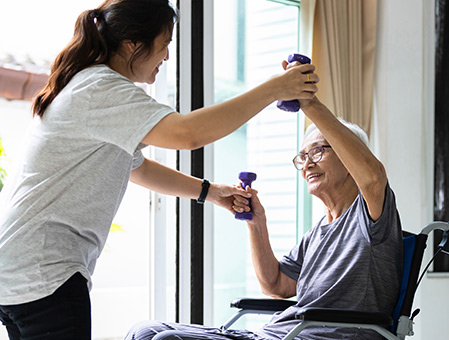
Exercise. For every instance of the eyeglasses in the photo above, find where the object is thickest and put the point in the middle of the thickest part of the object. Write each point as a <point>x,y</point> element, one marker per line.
<point>314,155</point>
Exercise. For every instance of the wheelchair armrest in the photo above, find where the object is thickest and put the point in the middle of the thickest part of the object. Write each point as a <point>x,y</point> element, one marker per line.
<point>262,304</point>
<point>343,316</point>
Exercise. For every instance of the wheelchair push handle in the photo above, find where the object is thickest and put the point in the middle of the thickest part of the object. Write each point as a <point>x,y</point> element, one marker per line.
<point>247,178</point>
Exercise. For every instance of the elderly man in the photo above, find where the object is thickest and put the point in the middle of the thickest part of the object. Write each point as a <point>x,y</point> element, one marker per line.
<point>351,259</point>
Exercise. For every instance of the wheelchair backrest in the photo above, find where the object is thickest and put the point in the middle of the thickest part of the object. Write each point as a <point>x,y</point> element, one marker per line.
<point>414,246</point>
<point>409,243</point>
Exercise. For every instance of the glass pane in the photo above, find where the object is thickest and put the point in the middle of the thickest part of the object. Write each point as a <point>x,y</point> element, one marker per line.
<point>163,207</point>
<point>252,38</point>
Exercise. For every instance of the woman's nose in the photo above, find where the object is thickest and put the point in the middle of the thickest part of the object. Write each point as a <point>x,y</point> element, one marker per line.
<point>308,163</point>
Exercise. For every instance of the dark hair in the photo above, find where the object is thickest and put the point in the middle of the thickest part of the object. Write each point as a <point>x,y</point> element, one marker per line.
<point>98,35</point>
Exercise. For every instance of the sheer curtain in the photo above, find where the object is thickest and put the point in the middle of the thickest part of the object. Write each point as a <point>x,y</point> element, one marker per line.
<point>340,35</point>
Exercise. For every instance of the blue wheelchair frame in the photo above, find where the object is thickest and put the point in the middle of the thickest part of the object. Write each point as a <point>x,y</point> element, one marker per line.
<point>392,327</point>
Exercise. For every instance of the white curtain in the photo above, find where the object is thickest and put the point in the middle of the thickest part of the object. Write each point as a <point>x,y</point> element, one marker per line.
<point>340,37</point>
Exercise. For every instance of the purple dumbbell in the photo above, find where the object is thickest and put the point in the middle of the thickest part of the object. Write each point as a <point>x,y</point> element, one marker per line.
<point>247,178</point>
<point>293,105</point>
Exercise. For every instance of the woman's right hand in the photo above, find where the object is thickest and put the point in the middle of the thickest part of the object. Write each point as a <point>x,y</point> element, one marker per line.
<point>297,82</point>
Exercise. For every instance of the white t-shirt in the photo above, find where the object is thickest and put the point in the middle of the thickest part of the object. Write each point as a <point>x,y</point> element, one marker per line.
<point>57,209</point>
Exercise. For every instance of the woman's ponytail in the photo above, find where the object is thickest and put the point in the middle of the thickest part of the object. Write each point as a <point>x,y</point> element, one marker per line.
<point>86,48</point>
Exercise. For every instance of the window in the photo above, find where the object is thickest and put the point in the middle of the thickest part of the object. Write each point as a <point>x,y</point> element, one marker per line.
<point>252,38</point>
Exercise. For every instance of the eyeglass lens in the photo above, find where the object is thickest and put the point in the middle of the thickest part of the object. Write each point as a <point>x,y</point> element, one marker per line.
<point>314,156</point>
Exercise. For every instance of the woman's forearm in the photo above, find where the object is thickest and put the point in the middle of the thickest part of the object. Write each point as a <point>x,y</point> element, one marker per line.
<point>366,170</point>
<point>206,125</point>
<point>165,180</point>
<point>354,154</point>
<point>160,178</point>
<point>272,281</point>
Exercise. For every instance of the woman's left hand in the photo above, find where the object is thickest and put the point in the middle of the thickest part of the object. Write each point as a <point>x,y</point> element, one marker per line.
<point>223,195</point>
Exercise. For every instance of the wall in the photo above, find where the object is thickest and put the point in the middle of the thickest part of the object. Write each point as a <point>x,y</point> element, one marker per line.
<point>404,98</point>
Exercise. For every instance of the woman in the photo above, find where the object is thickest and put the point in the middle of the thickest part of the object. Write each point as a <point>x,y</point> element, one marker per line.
<point>351,259</point>
<point>85,144</point>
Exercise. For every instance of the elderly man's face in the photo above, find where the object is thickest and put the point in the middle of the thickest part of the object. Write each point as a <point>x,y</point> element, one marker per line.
<point>328,175</point>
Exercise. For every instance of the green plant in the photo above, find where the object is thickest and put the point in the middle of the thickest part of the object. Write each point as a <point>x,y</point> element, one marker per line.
<point>2,171</point>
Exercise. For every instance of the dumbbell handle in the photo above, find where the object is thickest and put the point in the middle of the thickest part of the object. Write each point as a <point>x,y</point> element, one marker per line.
<point>247,178</point>
<point>293,105</point>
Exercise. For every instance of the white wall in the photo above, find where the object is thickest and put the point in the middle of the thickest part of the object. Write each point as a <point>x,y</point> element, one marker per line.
<point>404,123</point>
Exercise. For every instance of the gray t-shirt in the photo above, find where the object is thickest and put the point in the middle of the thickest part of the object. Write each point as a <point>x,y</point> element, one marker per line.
<point>56,211</point>
<point>351,263</point>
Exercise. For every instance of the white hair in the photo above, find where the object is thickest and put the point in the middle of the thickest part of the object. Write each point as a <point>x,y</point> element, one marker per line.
<point>358,131</point>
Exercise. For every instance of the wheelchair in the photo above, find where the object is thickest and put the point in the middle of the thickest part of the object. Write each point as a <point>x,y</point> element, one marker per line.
<point>392,327</point>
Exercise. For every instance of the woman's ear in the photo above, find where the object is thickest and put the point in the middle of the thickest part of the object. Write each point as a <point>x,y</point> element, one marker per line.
<point>130,46</point>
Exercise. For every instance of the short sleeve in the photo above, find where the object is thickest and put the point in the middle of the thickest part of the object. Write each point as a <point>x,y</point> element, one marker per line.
<point>291,264</point>
<point>379,231</point>
<point>138,159</point>
<point>121,113</point>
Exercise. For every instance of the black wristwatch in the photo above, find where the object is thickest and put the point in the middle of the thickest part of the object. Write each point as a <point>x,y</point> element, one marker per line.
<point>204,190</point>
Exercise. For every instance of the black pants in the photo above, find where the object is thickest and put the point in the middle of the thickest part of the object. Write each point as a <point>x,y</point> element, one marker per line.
<point>64,315</point>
